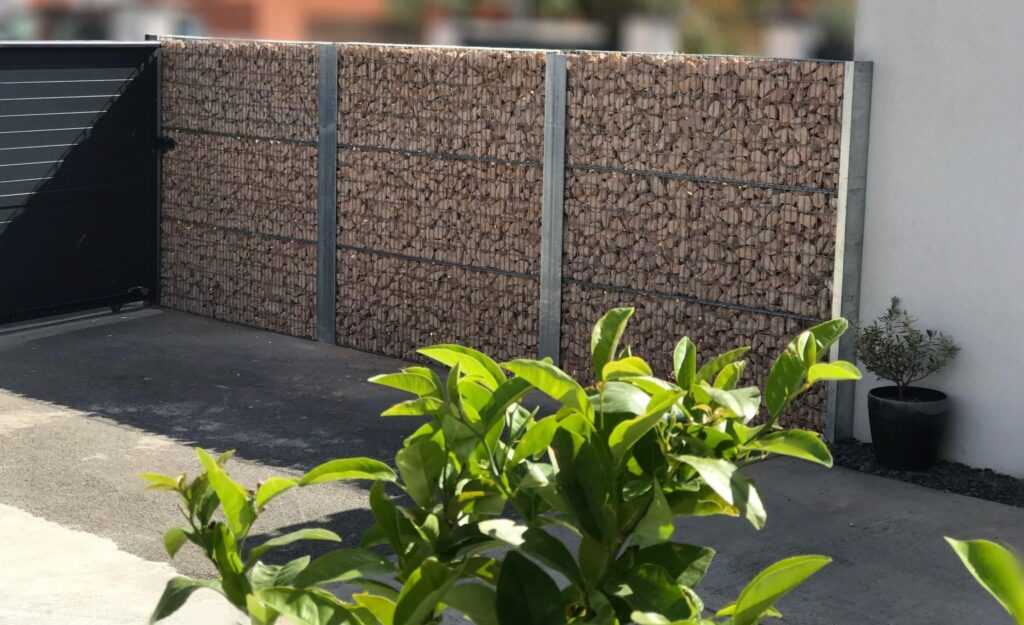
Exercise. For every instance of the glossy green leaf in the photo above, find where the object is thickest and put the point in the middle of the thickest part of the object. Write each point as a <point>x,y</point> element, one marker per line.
<point>731,485</point>
<point>806,346</point>
<point>711,368</point>
<point>604,340</point>
<point>551,381</point>
<point>176,593</point>
<point>828,332</point>
<point>801,444</point>
<point>234,500</point>
<point>259,612</point>
<point>414,408</point>
<point>628,432</point>
<point>271,488</point>
<point>785,379</point>
<point>505,530</point>
<point>730,609</point>
<point>729,377</point>
<point>621,397</point>
<point>703,502</point>
<point>386,517</point>
<point>997,570</point>
<point>477,601</point>
<point>772,584</point>
<point>421,465</point>
<point>839,370</point>
<point>307,606</point>
<point>505,395</point>
<point>638,617</point>
<point>742,402</point>
<point>471,361</point>
<point>474,393</point>
<point>286,539</point>
<point>157,481</point>
<point>343,565</point>
<point>422,592</point>
<point>584,482</point>
<point>687,564</point>
<point>526,595</point>
<point>536,439</point>
<point>535,543</point>
<point>650,384</point>
<point>174,538</point>
<point>382,608</point>
<point>415,383</point>
<point>269,575</point>
<point>684,363</point>
<point>348,469</point>
<point>650,588</point>
<point>229,562</point>
<point>552,552</point>
<point>625,367</point>
<point>656,525</point>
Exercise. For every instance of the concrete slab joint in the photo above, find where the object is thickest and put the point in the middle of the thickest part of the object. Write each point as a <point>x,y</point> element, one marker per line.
<point>856,118</point>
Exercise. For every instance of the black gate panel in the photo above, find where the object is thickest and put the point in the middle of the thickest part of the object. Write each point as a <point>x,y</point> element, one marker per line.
<point>78,159</point>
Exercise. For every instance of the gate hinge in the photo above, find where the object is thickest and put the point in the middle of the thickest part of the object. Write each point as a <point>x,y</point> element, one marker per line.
<point>165,144</point>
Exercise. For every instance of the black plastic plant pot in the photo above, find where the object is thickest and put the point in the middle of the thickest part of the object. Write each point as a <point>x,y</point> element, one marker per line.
<point>907,432</point>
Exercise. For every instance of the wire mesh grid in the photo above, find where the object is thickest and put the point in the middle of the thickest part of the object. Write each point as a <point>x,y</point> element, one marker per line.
<point>753,247</point>
<point>701,190</point>
<point>439,205</point>
<point>259,281</point>
<point>481,214</point>
<point>247,88</point>
<point>484,103</point>
<point>755,120</point>
<point>239,213</point>
<point>393,306</point>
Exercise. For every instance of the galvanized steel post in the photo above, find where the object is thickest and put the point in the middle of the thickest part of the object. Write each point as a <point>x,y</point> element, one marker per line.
<point>326,195</point>
<point>553,211</point>
<point>853,163</point>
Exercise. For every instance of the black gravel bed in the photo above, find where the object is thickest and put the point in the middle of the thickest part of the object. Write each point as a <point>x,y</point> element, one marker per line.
<point>951,477</point>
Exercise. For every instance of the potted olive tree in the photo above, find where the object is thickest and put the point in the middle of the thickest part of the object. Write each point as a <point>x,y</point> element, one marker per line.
<point>908,423</point>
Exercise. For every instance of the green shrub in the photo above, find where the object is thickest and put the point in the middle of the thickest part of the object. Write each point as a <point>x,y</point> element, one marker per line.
<point>614,465</point>
<point>894,349</point>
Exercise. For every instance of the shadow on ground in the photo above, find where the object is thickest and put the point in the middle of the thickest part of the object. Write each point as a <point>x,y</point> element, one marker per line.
<point>278,400</point>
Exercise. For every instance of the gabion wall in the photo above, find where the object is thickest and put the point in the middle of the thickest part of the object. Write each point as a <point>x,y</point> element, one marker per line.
<point>239,189</point>
<point>702,190</point>
<point>439,198</point>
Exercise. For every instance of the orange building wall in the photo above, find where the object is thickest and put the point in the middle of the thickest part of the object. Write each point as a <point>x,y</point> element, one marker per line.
<point>291,19</point>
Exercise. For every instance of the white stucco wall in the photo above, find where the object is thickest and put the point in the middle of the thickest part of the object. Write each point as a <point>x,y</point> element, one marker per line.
<point>944,223</point>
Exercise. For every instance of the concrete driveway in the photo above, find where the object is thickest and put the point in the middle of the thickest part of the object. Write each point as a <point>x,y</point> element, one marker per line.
<point>87,405</point>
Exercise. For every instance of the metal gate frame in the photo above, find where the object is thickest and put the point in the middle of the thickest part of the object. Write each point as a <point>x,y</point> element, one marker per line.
<point>79,199</point>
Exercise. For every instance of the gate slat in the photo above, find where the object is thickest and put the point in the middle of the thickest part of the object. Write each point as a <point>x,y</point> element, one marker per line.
<point>61,88</point>
<point>49,105</point>
<point>47,122</point>
<point>12,156</point>
<point>30,138</point>
<point>49,74</point>
<point>56,197</point>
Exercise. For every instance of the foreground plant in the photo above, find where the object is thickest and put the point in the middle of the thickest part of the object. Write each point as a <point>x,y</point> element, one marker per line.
<point>263,591</point>
<point>610,468</point>
<point>998,571</point>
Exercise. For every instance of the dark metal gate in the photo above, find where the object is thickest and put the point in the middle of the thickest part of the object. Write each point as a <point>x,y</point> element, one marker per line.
<point>78,164</point>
